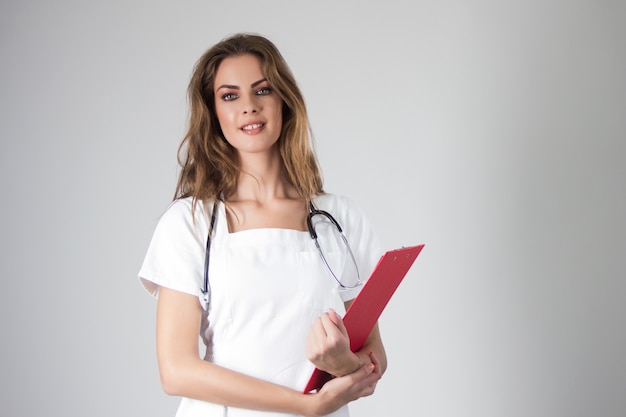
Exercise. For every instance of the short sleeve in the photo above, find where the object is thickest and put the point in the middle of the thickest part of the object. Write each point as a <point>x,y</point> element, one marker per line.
<point>363,240</point>
<point>175,256</point>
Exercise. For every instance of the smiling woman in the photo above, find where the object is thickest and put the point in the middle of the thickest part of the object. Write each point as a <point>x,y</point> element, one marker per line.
<point>236,238</point>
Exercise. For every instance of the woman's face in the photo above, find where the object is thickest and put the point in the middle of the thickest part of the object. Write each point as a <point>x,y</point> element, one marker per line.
<point>248,109</point>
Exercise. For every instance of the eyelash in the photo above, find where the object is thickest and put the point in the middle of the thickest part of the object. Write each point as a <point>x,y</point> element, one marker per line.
<point>229,96</point>
<point>263,91</point>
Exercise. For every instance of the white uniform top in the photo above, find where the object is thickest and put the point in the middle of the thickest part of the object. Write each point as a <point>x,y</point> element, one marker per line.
<point>266,288</point>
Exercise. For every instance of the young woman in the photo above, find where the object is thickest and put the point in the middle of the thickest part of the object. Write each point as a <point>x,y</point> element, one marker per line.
<point>233,259</point>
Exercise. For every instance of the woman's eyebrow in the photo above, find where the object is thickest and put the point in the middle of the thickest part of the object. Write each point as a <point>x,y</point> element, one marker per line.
<point>235,87</point>
<point>254,84</point>
<point>228,86</point>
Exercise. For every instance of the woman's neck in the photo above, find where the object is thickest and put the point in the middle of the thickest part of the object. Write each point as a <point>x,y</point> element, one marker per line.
<point>262,179</point>
<point>264,197</point>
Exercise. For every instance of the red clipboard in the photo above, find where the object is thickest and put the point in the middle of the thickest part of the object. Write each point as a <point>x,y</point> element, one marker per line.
<point>371,301</point>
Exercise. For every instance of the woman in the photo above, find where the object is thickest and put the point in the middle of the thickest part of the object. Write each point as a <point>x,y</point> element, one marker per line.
<point>248,189</point>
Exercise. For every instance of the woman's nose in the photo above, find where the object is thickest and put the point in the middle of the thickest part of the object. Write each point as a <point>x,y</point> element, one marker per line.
<point>250,106</point>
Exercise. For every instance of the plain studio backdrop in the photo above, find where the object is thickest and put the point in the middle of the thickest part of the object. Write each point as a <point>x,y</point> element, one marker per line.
<point>492,131</point>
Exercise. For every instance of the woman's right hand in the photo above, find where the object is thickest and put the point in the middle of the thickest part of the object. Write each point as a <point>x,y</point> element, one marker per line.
<point>340,391</point>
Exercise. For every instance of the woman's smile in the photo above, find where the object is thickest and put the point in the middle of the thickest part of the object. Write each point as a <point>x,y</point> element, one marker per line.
<point>253,128</point>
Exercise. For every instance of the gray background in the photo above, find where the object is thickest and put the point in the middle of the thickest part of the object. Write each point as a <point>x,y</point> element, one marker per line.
<point>492,131</point>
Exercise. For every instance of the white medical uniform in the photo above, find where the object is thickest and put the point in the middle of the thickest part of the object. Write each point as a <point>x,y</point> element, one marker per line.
<point>266,288</point>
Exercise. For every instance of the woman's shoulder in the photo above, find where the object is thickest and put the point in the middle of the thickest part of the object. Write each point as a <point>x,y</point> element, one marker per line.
<point>329,201</point>
<point>179,204</point>
<point>183,212</point>
<point>185,206</point>
<point>340,206</point>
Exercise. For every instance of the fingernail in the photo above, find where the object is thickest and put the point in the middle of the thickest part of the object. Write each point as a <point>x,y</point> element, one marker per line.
<point>370,368</point>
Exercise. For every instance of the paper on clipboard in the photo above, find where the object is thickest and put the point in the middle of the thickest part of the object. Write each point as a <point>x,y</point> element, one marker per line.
<point>369,304</point>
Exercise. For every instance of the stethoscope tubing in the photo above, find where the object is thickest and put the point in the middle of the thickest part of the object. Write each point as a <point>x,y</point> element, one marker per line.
<point>313,211</point>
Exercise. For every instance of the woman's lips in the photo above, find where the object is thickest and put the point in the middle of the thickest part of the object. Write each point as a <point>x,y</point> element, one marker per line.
<point>253,127</point>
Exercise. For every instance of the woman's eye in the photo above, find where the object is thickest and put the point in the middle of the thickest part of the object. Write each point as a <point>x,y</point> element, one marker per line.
<point>263,91</point>
<point>229,96</point>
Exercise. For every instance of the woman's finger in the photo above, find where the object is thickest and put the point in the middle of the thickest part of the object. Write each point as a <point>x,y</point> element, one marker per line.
<point>375,362</point>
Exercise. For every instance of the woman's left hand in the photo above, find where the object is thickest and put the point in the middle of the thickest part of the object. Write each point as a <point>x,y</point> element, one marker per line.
<point>328,346</point>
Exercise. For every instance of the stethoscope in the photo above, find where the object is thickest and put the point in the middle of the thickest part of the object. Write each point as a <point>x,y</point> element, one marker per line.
<point>205,294</point>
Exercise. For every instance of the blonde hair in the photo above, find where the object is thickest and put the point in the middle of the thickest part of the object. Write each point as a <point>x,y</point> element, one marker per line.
<point>209,163</point>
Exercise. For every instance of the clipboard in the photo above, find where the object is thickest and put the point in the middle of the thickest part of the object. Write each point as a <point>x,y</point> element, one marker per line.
<point>370,302</point>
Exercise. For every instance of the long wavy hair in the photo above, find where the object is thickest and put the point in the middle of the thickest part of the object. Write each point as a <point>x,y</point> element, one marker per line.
<point>210,167</point>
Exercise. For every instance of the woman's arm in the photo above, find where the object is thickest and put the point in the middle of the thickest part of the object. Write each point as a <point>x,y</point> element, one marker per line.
<point>183,373</point>
<point>328,346</point>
